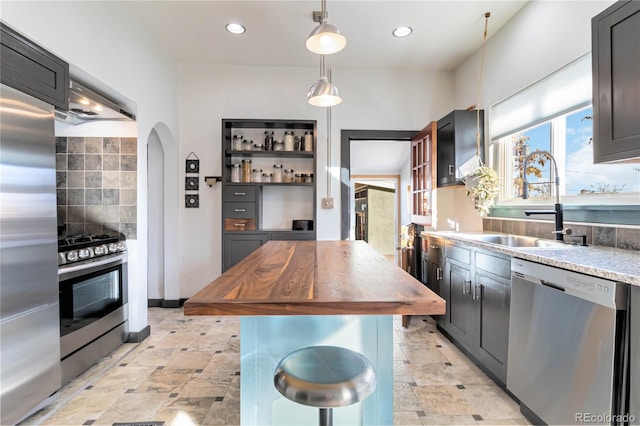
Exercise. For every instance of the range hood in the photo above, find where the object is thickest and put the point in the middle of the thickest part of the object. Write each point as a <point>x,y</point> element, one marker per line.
<point>87,105</point>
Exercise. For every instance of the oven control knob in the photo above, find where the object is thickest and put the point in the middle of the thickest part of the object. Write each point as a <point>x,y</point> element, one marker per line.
<point>121,246</point>
<point>62,259</point>
<point>72,255</point>
<point>113,247</point>
<point>101,250</point>
<point>85,253</point>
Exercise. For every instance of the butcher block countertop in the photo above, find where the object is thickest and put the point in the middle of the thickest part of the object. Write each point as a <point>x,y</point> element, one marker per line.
<point>315,278</point>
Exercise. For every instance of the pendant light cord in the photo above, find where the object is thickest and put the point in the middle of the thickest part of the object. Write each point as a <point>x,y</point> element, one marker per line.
<point>329,146</point>
<point>484,42</point>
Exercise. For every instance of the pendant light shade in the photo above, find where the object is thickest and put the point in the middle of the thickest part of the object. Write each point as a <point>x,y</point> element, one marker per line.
<point>323,94</point>
<point>326,39</point>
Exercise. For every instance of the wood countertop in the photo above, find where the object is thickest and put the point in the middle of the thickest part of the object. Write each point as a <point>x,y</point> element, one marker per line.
<point>315,278</point>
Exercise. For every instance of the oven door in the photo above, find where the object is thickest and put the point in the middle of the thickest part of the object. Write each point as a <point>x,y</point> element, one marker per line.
<point>93,300</point>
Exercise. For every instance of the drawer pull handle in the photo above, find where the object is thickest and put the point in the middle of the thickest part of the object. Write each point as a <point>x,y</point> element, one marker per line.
<point>438,274</point>
<point>242,225</point>
<point>240,193</point>
<point>450,169</point>
<point>239,210</point>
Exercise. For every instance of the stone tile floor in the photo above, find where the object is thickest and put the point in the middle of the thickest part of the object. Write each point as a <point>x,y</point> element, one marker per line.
<point>188,373</point>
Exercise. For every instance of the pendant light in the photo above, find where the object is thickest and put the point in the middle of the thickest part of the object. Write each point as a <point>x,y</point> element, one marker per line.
<point>325,39</point>
<point>322,93</point>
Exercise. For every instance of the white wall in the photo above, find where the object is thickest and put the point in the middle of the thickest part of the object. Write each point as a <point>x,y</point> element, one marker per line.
<point>208,93</point>
<point>104,45</point>
<point>541,38</point>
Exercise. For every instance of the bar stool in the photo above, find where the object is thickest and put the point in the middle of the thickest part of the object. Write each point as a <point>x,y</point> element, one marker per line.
<point>325,377</point>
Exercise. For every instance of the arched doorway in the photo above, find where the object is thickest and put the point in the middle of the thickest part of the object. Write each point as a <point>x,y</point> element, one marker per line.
<point>162,217</point>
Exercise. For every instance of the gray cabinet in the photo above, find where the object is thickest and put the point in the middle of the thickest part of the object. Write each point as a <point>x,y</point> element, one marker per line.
<point>256,212</point>
<point>457,284</point>
<point>237,246</point>
<point>456,144</point>
<point>434,269</point>
<point>492,296</point>
<point>616,96</point>
<point>33,70</point>
<point>477,291</point>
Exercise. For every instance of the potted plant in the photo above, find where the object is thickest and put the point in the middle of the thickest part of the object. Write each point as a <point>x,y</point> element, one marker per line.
<point>483,187</point>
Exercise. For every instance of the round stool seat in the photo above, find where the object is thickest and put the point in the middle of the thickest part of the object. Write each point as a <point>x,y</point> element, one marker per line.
<point>325,377</point>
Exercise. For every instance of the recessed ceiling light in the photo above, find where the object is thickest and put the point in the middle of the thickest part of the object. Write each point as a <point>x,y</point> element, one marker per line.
<point>235,28</point>
<point>402,31</point>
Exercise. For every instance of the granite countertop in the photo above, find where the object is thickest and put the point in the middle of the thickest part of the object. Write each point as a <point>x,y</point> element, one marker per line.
<point>604,262</point>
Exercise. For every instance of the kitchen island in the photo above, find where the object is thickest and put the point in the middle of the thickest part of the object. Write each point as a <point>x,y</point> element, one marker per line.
<point>294,294</point>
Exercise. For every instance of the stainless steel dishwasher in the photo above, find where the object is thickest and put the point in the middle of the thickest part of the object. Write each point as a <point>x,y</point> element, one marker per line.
<point>568,334</point>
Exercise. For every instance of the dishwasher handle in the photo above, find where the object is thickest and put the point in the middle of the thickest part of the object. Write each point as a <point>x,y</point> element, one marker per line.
<point>551,285</point>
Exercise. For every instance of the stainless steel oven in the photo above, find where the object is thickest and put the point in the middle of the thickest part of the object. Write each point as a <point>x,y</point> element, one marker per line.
<point>93,302</point>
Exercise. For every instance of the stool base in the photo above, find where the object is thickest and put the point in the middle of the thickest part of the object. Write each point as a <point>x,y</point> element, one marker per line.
<point>326,417</point>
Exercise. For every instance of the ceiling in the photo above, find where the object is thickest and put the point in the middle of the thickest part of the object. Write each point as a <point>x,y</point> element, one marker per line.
<point>444,32</point>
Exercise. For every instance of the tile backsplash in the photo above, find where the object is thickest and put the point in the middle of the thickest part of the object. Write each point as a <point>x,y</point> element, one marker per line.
<point>627,238</point>
<point>97,185</point>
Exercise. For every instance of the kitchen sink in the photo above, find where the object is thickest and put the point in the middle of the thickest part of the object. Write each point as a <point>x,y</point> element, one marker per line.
<point>518,241</point>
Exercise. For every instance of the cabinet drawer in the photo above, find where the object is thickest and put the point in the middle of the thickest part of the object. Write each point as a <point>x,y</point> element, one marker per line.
<point>240,193</point>
<point>240,210</point>
<point>496,265</point>
<point>239,224</point>
<point>458,253</point>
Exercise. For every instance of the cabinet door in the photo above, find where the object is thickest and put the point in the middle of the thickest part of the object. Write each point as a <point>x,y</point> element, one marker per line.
<point>31,69</point>
<point>446,151</point>
<point>460,309</point>
<point>492,295</point>
<point>237,247</point>
<point>616,98</point>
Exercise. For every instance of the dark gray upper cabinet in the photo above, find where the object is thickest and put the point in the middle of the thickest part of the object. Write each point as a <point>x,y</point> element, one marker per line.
<point>616,93</point>
<point>33,70</point>
<point>456,144</point>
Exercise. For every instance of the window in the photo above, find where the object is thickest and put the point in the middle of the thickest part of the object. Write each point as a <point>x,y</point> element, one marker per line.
<point>569,139</point>
<point>555,115</point>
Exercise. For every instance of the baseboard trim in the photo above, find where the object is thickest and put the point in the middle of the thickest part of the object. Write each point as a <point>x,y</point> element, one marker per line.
<point>164,303</point>
<point>139,336</point>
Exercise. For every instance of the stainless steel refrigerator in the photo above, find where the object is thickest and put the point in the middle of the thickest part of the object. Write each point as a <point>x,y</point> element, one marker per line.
<point>29,325</point>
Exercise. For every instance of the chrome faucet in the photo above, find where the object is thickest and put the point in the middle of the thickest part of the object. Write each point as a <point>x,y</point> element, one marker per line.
<point>557,211</point>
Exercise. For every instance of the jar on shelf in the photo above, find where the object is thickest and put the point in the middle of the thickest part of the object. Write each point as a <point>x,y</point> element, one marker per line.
<point>247,145</point>
<point>256,175</point>
<point>299,178</point>
<point>268,140</point>
<point>308,141</point>
<point>288,140</point>
<point>235,173</point>
<point>288,176</point>
<point>236,145</point>
<point>308,178</point>
<point>258,147</point>
<point>297,143</point>
<point>278,145</point>
<point>246,170</point>
<point>277,173</point>
<point>266,177</point>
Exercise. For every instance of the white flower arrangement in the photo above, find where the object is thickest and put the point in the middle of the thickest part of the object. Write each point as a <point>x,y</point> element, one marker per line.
<point>483,186</point>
